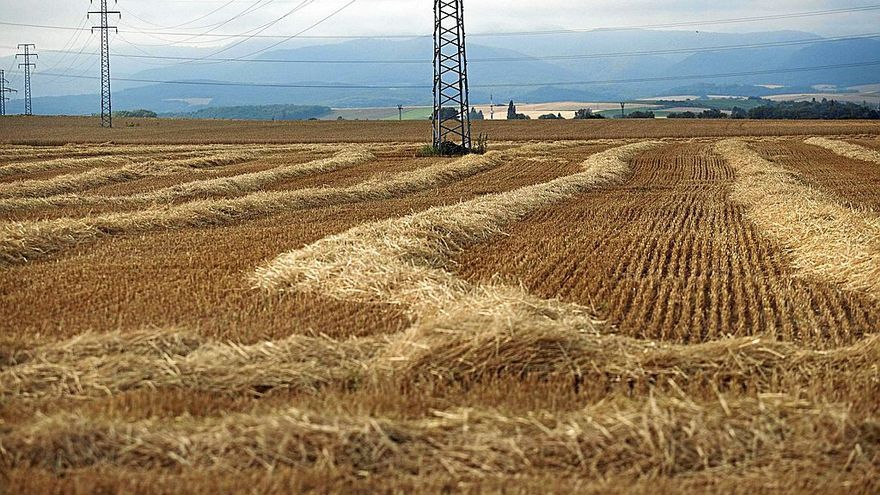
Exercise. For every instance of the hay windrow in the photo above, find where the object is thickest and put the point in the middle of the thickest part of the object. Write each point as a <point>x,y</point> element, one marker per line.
<point>21,242</point>
<point>63,163</point>
<point>658,435</point>
<point>846,149</point>
<point>483,338</point>
<point>488,382</point>
<point>238,184</point>
<point>471,342</point>
<point>401,261</point>
<point>467,333</point>
<point>102,176</point>
<point>824,238</point>
<point>99,365</point>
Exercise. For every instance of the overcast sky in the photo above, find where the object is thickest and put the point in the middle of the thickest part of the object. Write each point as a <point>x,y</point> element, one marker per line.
<point>414,16</point>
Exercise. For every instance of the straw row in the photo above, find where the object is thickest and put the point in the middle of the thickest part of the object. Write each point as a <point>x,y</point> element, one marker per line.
<point>664,435</point>
<point>401,261</point>
<point>34,189</point>
<point>96,365</point>
<point>824,238</point>
<point>460,346</point>
<point>63,163</point>
<point>25,152</point>
<point>849,150</point>
<point>239,184</point>
<point>24,241</point>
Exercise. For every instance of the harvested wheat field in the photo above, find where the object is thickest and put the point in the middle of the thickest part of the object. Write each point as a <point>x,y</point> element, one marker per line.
<point>621,311</point>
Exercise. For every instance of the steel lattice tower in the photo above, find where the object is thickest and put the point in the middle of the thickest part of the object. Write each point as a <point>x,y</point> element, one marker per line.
<point>106,101</point>
<point>450,76</point>
<point>28,109</point>
<point>3,91</point>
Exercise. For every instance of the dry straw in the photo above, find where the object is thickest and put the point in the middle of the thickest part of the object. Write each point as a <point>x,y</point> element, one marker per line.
<point>95,365</point>
<point>846,149</point>
<point>659,435</point>
<point>464,344</point>
<point>63,163</point>
<point>34,189</point>
<point>239,184</point>
<point>824,238</point>
<point>464,333</point>
<point>66,157</point>
<point>24,241</point>
<point>401,260</point>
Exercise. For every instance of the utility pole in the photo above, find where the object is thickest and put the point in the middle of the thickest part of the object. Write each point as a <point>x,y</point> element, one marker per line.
<point>400,113</point>
<point>491,107</point>
<point>28,109</point>
<point>3,91</point>
<point>106,105</point>
<point>623,110</point>
<point>450,76</point>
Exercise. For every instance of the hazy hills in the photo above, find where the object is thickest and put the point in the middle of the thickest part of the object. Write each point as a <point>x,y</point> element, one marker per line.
<point>583,57</point>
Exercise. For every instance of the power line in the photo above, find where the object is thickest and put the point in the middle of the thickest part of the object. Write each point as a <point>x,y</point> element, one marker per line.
<point>70,43</point>
<point>75,60</point>
<point>255,32</point>
<point>733,20</point>
<point>303,31</point>
<point>495,85</point>
<point>253,7</point>
<point>192,21</point>
<point>736,20</point>
<point>773,44</point>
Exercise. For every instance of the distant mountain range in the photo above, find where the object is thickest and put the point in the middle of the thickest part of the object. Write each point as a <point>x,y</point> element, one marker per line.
<point>656,63</point>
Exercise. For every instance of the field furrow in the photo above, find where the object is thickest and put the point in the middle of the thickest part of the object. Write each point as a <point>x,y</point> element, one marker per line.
<point>668,255</point>
<point>847,149</point>
<point>852,182</point>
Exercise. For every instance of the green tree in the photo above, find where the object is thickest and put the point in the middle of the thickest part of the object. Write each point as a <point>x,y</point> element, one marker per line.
<point>587,114</point>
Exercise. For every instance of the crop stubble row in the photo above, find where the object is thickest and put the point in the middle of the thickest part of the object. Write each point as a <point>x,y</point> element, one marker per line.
<point>853,182</point>
<point>668,256</point>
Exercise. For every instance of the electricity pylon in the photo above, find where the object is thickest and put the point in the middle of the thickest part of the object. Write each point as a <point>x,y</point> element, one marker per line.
<point>3,91</point>
<point>106,103</point>
<point>28,109</point>
<point>452,122</point>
